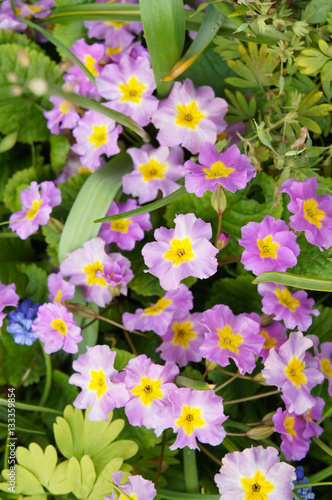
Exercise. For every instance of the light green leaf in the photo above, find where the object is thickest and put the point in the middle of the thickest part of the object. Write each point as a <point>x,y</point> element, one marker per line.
<point>103,485</point>
<point>295,280</point>
<point>95,12</point>
<point>123,449</point>
<point>9,36</point>
<point>8,142</point>
<point>312,262</point>
<point>59,151</point>
<point>322,9</point>
<point>198,385</point>
<point>81,476</point>
<point>122,358</point>
<point>58,483</point>
<point>40,463</point>
<point>26,482</point>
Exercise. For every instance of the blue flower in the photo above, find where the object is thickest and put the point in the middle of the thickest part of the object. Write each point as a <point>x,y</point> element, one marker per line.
<point>20,322</point>
<point>304,493</point>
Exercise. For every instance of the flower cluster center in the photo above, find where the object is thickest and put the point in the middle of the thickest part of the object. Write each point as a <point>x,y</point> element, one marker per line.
<point>157,308</point>
<point>294,371</point>
<point>152,170</point>
<point>181,251</point>
<point>188,116</point>
<point>132,91</point>
<point>90,65</point>
<point>267,247</point>
<point>285,298</point>
<point>313,214</point>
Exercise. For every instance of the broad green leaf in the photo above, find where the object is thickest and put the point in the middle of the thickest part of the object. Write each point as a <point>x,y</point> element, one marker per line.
<point>81,476</point>
<point>164,31</point>
<point>321,325</point>
<point>52,240</point>
<point>209,28</point>
<point>144,437</point>
<point>25,482</point>
<point>8,142</point>
<point>58,483</point>
<point>122,358</point>
<point>312,262</point>
<point>37,287</point>
<point>143,283</point>
<point>92,201</point>
<point>40,463</point>
<point>103,485</point>
<point>59,151</point>
<point>124,449</point>
<point>97,437</point>
<point>69,192</point>
<point>228,290</point>
<point>63,436</point>
<point>322,9</point>
<point>295,280</point>
<point>69,33</point>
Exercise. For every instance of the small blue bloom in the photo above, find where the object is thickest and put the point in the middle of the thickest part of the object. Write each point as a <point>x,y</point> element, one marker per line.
<point>304,493</point>
<point>20,322</point>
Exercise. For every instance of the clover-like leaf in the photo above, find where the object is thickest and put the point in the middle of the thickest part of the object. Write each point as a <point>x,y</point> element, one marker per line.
<point>40,463</point>
<point>103,485</point>
<point>81,476</point>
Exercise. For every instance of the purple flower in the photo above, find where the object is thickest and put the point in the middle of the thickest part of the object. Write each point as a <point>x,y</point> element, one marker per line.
<point>149,386</point>
<point>269,246</point>
<point>182,340</point>
<point>8,297</point>
<point>181,252</point>
<point>117,43</point>
<point>231,132</point>
<point>37,203</point>
<point>117,274</point>
<point>323,359</point>
<point>274,335</point>
<point>72,167</point>
<point>255,470</point>
<point>20,322</point>
<point>60,289</point>
<point>8,20</point>
<point>287,370</point>
<point>125,232</point>
<point>129,85</point>
<point>291,427</point>
<point>313,213</point>
<point>154,170</point>
<point>63,115</point>
<point>158,316</point>
<point>38,9</point>
<point>136,487</point>
<point>95,377</point>
<point>230,169</point>
<point>56,328</point>
<point>311,416</point>
<point>231,337</point>
<point>96,134</point>
<point>294,308</point>
<point>190,117</point>
<point>194,414</point>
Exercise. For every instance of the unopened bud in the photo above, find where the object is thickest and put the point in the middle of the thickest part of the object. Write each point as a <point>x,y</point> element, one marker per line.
<point>267,319</point>
<point>223,240</point>
<point>260,432</point>
<point>219,201</point>
<point>81,311</point>
<point>38,86</point>
<point>16,90</point>
<point>12,77</point>
<point>115,290</point>
<point>23,58</point>
<point>267,420</point>
<point>55,225</point>
<point>259,378</point>
<point>210,365</point>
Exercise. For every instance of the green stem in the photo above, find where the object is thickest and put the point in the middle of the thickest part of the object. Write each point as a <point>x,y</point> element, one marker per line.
<point>226,383</point>
<point>307,485</point>
<point>323,446</point>
<point>48,377</point>
<point>175,495</point>
<point>190,470</point>
<point>258,396</point>
<point>323,474</point>
<point>24,406</point>
<point>209,454</point>
<point>161,458</point>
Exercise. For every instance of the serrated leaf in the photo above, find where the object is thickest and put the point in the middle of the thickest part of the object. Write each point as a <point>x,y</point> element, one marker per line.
<point>37,287</point>
<point>40,463</point>
<point>52,240</point>
<point>9,36</point>
<point>81,476</point>
<point>228,290</point>
<point>59,151</point>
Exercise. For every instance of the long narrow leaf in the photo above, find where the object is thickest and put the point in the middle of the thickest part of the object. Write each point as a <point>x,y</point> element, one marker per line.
<point>295,280</point>
<point>145,208</point>
<point>164,31</point>
<point>27,407</point>
<point>175,495</point>
<point>95,12</point>
<point>209,28</point>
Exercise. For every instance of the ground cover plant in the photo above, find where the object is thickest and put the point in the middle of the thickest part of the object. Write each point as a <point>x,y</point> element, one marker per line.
<point>165,246</point>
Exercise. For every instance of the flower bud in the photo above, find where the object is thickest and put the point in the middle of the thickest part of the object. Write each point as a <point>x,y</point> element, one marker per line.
<point>55,225</point>
<point>260,432</point>
<point>210,365</point>
<point>267,319</point>
<point>81,311</point>
<point>223,240</point>
<point>267,420</point>
<point>219,201</point>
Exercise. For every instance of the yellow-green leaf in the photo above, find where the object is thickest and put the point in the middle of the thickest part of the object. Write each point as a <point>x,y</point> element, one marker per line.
<point>295,280</point>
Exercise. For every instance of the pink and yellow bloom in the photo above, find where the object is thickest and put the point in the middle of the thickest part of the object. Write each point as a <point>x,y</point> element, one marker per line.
<point>269,246</point>
<point>62,116</point>
<point>291,427</point>
<point>60,289</point>
<point>275,334</point>
<point>181,252</point>
<point>136,488</point>
<point>231,170</point>
<point>323,359</point>
<point>255,473</point>
<point>95,377</point>
<point>8,297</point>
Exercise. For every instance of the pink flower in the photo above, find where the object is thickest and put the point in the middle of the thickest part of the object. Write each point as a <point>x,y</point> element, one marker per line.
<point>181,252</point>
<point>323,359</point>
<point>60,289</point>
<point>190,117</point>
<point>56,328</point>
<point>255,469</point>
<point>291,427</point>
<point>269,246</point>
<point>136,487</point>
<point>275,334</point>
<point>63,115</point>
<point>231,170</point>
<point>95,377</point>
<point>8,297</point>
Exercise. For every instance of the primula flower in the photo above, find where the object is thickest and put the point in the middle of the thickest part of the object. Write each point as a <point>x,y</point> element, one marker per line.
<point>190,117</point>
<point>37,203</point>
<point>154,170</point>
<point>136,488</point>
<point>117,274</point>
<point>157,317</point>
<point>8,20</point>
<point>231,132</point>
<point>287,370</point>
<point>8,297</point>
<point>56,328</point>
<point>20,322</point>
<point>294,308</point>
<point>194,415</point>
<point>125,232</point>
<point>38,9</point>
<point>181,252</point>
<point>323,359</point>
<point>95,377</point>
<point>60,290</point>
<point>231,337</point>
<point>96,134</point>
<point>182,340</point>
<point>129,85</point>
<point>275,334</point>
<point>291,427</point>
<point>231,170</point>
<point>149,386</point>
<point>255,474</point>
<point>269,246</point>
<point>311,417</point>
<point>82,267</point>
<point>72,167</point>
<point>313,213</point>
<point>63,115</point>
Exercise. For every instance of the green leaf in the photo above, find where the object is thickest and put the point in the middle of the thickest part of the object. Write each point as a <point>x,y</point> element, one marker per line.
<point>143,283</point>
<point>322,9</point>
<point>122,358</point>
<point>26,482</point>
<point>92,201</point>
<point>40,463</point>
<point>103,485</point>
<point>228,290</point>
<point>295,280</point>
<point>52,239</point>
<point>81,476</point>
<point>59,151</point>
<point>8,142</point>
<point>9,36</point>
<point>144,437</point>
<point>95,12</point>
<point>58,483</point>
<point>69,33</point>
<point>312,262</point>
<point>69,193</point>
<point>321,325</point>
<point>37,287</point>
<point>164,31</point>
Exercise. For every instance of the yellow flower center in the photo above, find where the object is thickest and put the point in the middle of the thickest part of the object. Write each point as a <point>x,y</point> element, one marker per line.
<point>294,371</point>
<point>308,415</point>
<point>312,213</point>
<point>159,306</point>
<point>90,65</point>
<point>120,225</point>
<point>60,326</point>
<point>111,51</point>
<point>285,298</point>
<point>326,367</point>
<point>190,418</point>
<point>148,390</point>
<point>183,333</point>
<point>228,339</point>
<point>181,251</point>
<point>256,488</point>
<point>289,425</point>
<point>116,24</point>
<point>98,382</point>
<point>188,116</point>
<point>65,106</point>
<point>152,170</point>
<point>269,341</point>
<point>31,214</point>
<point>132,91</point>
<point>99,136</point>
<point>84,170</point>
<point>218,169</point>
<point>58,296</point>
<point>267,248</point>
<point>91,270</point>
<point>132,496</point>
